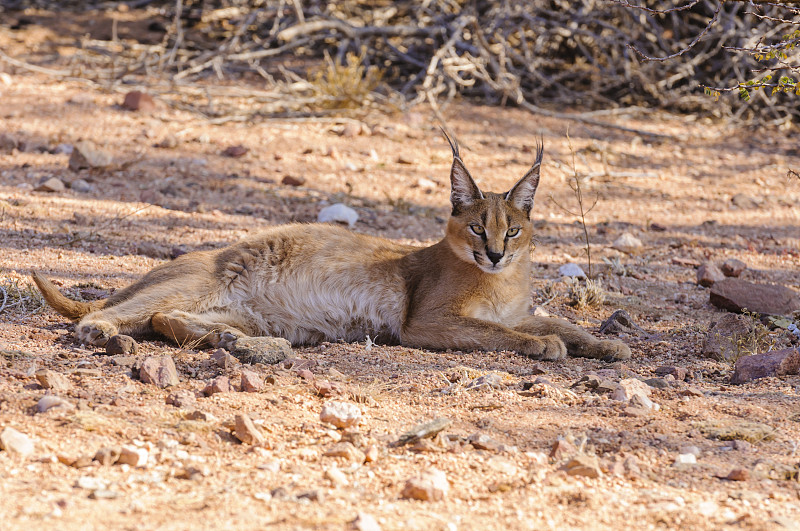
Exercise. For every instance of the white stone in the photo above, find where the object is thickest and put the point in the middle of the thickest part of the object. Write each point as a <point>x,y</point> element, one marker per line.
<point>15,441</point>
<point>571,270</point>
<point>366,522</point>
<point>336,476</point>
<point>627,243</point>
<point>338,213</point>
<point>341,414</point>
<point>686,459</point>
<point>630,387</point>
<point>48,402</point>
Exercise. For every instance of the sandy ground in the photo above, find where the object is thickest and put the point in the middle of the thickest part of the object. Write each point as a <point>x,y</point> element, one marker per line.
<point>675,194</point>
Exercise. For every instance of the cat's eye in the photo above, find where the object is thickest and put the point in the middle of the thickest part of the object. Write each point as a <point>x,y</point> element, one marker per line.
<point>512,232</point>
<point>477,229</point>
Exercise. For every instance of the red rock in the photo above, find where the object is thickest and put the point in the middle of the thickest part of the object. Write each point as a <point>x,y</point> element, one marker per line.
<point>738,474</point>
<point>305,374</point>
<point>246,431</point>
<point>182,399</point>
<point>290,180</point>
<point>583,465</point>
<point>735,295</point>
<point>775,363</point>
<point>733,267</point>
<point>562,448</point>
<point>159,371</point>
<point>121,344</point>
<point>708,274</point>
<point>235,151</point>
<point>52,380</point>
<point>139,101</point>
<point>220,384</point>
<point>679,373</point>
<point>252,382</point>
<point>325,388</point>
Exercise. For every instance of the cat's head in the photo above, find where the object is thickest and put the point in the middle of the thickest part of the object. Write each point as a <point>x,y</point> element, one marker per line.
<point>488,229</point>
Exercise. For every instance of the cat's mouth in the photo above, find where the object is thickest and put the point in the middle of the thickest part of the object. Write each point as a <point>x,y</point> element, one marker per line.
<point>484,264</point>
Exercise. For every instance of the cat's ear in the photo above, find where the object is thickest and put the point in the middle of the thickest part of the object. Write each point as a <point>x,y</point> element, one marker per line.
<point>463,190</point>
<point>521,194</point>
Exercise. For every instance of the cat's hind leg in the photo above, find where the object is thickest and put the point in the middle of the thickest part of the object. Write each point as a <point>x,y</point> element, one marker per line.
<point>578,341</point>
<point>219,329</point>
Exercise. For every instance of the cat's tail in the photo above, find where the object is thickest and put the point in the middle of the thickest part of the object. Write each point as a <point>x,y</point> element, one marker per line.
<point>69,308</point>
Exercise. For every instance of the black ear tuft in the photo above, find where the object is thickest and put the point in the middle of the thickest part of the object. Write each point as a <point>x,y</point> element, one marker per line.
<point>521,194</point>
<point>463,190</point>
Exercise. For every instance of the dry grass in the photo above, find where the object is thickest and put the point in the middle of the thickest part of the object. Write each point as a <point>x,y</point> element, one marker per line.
<point>347,86</point>
<point>23,299</point>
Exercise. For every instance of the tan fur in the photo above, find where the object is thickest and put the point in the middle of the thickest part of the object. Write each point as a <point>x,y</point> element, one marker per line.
<point>312,283</point>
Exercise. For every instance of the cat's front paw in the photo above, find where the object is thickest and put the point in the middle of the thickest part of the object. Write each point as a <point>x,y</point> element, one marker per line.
<point>267,350</point>
<point>613,350</point>
<point>96,333</point>
<point>549,348</point>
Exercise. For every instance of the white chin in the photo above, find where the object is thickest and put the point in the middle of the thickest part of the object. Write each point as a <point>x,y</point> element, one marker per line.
<point>490,269</point>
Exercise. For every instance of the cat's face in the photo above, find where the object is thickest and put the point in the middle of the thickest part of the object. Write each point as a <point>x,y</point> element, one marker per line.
<point>488,229</point>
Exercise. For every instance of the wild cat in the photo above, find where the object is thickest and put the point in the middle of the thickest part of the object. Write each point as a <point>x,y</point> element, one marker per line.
<point>308,283</point>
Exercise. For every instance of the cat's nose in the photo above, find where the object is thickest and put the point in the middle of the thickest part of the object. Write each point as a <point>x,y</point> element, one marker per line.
<point>494,257</point>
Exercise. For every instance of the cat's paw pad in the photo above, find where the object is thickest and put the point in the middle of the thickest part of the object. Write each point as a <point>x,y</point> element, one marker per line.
<point>96,333</point>
<point>552,348</point>
<point>611,350</point>
<point>267,350</point>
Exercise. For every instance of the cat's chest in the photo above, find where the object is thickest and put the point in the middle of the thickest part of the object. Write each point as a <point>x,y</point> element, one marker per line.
<point>502,306</point>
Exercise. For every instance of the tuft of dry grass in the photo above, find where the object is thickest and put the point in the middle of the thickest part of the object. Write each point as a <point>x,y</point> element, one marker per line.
<point>24,299</point>
<point>587,294</point>
<point>347,86</point>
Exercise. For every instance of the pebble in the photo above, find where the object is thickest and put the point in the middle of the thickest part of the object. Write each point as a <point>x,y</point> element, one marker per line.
<point>220,384</point>
<point>137,100</point>
<point>181,399</point>
<point>86,155</point>
<point>773,363</point>
<point>235,151</point>
<point>721,341</point>
<point>733,267</point>
<point>627,243</point>
<point>48,402</point>
<point>679,373</point>
<point>620,322</point>
<point>424,430</point>
<point>107,456</point>
<point>133,456</point>
<point>63,149</point>
<point>14,441</point>
<point>336,477</point>
<point>685,459</point>
<point>487,381</point>
<point>121,344</point>
<point>52,184</point>
<point>371,454</point>
<point>204,416</point>
<point>8,143</point>
<point>708,274</point>
<point>159,371</point>
<point>346,450</point>
<point>735,295</point>
<point>644,402</point>
<point>91,483</point>
<point>431,485</point>
<point>81,186</point>
<point>246,431</point>
<point>341,414</point>
<point>338,213</point>
<point>365,522</point>
<point>583,465</point>
<point>104,494</point>
<point>481,441</point>
<point>170,141</point>
<point>223,360</point>
<point>52,380</point>
<point>562,448</point>
<point>630,387</point>
<point>290,180</point>
<point>571,270</point>
<point>252,382</point>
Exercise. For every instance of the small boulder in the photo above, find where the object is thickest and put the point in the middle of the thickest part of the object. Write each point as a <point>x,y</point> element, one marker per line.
<point>571,270</point>
<point>107,456</point>
<point>16,442</point>
<point>583,465</point>
<point>182,398</point>
<point>738,474</point>
<point>252,382</point>
<point>223,360</point>
<point>52,380</point>
<point>121,344</point>
<point>628,243</point>
<point>775,363</point>
<point>159,371</point>
<point>51,184</point>
<point>86,155</point>
<point>723,336</point>
<point>620,322</point>
<point>630,387</point>
<point>221,384</point>
<point>708,274</point>
<point>733,267</point>
<point>136,100</point>
<point>341,414</point>
<point>133,456</point>
<point>431,485</point>
<point>735,295</point>
<point>246,431</point>
<point>338,213</point>
<point>562,448</point>
<point>679,373</point>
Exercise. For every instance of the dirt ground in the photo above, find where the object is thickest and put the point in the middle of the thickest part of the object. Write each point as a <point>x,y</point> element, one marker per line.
<point>677,194</point>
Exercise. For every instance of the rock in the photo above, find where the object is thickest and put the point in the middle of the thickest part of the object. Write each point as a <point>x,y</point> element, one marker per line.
<point>690,449</point>
<point>658,383</point>
<point>8,143</point>
<point>365,522</point>
<point>223,360</point>
<point>152,249</point>
<point>735,295</point>
<point>736,430</point>
<point>327,389</point>
<point>205,416</point>
<point>562,448</point>
<point>338,213</point>
<point>220,384</point>
<point>341,414</point>
<point>744,201</point>
<point>306,375</point>
<point>346,450</point>
<point>431,485</point>
<point>133,456</point>
<point>159,371</point>
<point>104,494</point>
<point>136,100</point>
<point>620,322</point>
<point>252,382</point>
<point>630,387</point>
<point>425,430</point>
<point>170,141</point>
<point>81,462</point>
<point>290,180</point>
<point>481,441</point>
<point>582,465</point>
<point>235,151</point>
<point>722,341</point>
<point>627,243</point>
<point>63,149</point>
<point>708,274</point>
<point>124,361</point>
<point>336,476</point>
<point>491,380</point>
<point>643,402</point>
<point>351,129</point>
<point>81,186</point>
<point>51,185</point>
<point>679,373</point>
<point>86,155</point>
<point>107,456</point>
<point>52,380</point>
<point>121,344</point>
<point>685,459</point>
<point>733,267</point>
<point>16,442</point>
<point>738,474</point>
<point>48,402</point>
<point>246,431</point>
<point>268,350</point>
<point>774,363</point>
<point>571,270</point>
<point>371,454</point>
<point>183,399</point>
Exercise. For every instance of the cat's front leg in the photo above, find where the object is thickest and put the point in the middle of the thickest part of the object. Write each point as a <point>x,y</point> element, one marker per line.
<point>578,341</point>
